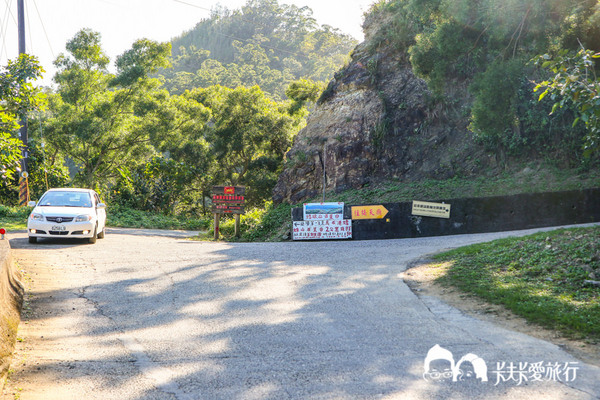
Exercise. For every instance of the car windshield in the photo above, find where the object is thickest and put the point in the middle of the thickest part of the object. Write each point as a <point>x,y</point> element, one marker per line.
<point>66,199</point>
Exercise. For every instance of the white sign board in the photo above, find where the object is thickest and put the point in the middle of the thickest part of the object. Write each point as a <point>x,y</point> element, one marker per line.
<point>322,229</point>
<point>323,211</point>
<point>426,209</point>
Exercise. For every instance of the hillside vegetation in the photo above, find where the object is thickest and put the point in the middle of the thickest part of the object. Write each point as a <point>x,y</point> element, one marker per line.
<point>547,278</point>
<point>161,130</point>
<point>447,89</point>
<point>478,55</point>
<point>440,91</point>
<point>264,43</point>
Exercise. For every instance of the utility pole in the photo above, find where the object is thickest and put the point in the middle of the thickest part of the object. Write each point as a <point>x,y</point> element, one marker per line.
<point>23,181</point>
<point>21,18</point>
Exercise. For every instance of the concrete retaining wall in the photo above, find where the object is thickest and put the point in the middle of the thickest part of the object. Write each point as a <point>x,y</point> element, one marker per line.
<point>11,301</point>
<point>476,215</point>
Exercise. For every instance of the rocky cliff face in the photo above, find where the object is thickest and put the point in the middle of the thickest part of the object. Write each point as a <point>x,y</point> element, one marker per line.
<point>376,121</point>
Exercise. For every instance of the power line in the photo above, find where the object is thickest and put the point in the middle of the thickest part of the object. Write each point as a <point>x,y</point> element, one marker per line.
<point>7,12</point>
<point>44,29</point>
<point>192,5</point>
<point>4,28</point>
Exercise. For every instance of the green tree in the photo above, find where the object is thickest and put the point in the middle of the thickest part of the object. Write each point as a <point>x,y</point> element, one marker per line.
<point>249,136</point>
<point>302,93</point>
<point>264,43</point>
<point>101,120</point>
<point>493,116</point>
<point>45,170</point>
<point>182,171</point>
<point>160,185</point>
<point>10,155</point>
<point>575,83</point>
<point>18,97</point>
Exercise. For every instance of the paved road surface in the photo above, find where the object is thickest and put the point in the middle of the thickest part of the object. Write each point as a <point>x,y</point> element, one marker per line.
<point>150,315</point>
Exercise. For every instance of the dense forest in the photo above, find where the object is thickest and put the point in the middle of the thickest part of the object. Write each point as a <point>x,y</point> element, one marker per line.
<point>157,134</point>
<point>264,43</point>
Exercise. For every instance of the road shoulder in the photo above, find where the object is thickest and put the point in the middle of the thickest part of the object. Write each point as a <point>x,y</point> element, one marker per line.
<point>420,277</point>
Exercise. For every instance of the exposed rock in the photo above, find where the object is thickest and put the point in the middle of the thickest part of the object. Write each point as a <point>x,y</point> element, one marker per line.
<point>375,122</point>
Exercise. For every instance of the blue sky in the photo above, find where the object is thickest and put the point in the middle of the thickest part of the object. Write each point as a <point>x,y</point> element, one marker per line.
<point>52,22</point>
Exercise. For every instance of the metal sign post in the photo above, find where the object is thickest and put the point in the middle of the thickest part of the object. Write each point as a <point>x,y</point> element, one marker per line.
<point>217,220</point>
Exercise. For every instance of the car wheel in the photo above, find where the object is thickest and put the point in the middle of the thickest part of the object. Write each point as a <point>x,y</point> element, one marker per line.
<point>92,240</point>
<point>102,233</point>
<point>32,239</point>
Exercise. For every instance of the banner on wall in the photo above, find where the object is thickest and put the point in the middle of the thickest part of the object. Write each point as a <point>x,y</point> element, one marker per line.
<point>322,229</point>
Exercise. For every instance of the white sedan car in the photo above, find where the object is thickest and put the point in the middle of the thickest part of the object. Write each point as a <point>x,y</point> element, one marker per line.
<point>67,213</point>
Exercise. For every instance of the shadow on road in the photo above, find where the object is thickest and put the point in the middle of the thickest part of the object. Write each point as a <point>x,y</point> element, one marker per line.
<point>274,321</point>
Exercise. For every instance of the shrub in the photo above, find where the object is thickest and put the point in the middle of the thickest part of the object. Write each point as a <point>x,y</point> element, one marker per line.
<point>270,223</point>
<point>120,216</point>
<point>14,212</point>
<point>494,119</point>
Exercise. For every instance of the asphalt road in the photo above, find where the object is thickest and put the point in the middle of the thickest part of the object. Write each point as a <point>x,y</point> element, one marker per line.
<point>150,315</point>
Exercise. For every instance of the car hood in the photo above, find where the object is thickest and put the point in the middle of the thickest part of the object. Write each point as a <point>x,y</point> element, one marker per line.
<point>63,211</point>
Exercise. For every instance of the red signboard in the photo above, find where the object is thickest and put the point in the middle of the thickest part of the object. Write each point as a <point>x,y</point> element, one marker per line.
<point>227,209</point>
<point>229,190</point>
<point>228,199</point>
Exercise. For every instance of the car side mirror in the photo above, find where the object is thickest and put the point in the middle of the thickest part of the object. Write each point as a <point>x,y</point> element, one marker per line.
<point>101,206</point>
<point>32,204</point>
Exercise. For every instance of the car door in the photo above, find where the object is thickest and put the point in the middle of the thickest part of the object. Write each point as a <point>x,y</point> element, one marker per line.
<point>101,213</point>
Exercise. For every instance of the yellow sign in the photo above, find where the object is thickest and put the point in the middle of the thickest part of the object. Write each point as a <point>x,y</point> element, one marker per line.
<point>438,210</point>
<point>369,212</point>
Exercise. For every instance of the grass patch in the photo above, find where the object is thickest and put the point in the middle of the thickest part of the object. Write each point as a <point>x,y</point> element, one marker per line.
<point>14,218</point>
<point>539,277</point>
<point>509,183</point>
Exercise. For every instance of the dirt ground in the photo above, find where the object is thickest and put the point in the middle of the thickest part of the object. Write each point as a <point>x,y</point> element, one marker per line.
<point>421,275</point>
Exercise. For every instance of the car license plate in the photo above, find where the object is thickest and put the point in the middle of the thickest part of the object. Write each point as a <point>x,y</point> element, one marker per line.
<point>59,228</point>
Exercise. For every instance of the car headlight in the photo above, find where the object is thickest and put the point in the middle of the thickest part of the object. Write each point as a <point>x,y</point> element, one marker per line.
<point>83,218</point>
<point>36,217</point>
